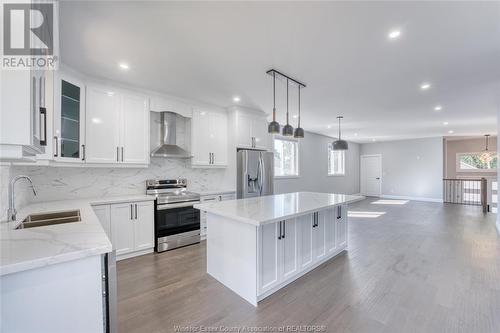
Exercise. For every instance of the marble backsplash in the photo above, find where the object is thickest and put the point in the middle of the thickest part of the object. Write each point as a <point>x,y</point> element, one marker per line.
<point>60,183</point>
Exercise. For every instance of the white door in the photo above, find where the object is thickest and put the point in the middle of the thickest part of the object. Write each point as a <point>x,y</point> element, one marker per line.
<point>102,126</point>
<point>371,175</point>
<point>135,133</point>
<point>341,226</point>
<point>143,225</point>
<point>200,146</point>
<point>290,248</point>
<point>305,227</point>
<point>319,236</point>
<point>218,138</point>
<point>103,213</point>
<point>330,230</point>
<point>122,227</point>
<point>269,252</point>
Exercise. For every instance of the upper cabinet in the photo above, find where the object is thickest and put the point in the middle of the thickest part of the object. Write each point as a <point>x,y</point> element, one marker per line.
<point>69,120</point>
<point>117,127</point>
<point>23,129</point>
<point>250,129</point>
<point>209,138</point>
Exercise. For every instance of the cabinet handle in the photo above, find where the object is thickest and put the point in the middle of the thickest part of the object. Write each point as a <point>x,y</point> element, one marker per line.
<point>279,237</point>
<point>136,211</point>
<point>83,152</point>
<point>56,141</point>
<point>339,212</point>
<point>122,154</point>
<point>284,229</point>
<point>117,154</point>
<point>43,112</point>
<point>213,158</point>
<point>131,212</point>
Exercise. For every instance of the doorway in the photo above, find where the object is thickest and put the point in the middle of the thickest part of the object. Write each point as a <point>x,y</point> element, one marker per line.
<point>371,175</point>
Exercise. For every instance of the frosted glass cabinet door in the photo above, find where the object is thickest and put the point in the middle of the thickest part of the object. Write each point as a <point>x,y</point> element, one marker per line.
<point>102,126</point>
<point>69,119</point>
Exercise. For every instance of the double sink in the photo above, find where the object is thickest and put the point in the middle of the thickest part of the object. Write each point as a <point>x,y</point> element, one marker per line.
<point>51,218</point>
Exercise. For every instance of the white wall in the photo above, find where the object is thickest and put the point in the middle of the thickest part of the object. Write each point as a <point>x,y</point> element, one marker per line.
<point>410,168</point>
<point>313,169</point>
<point>4,190</point>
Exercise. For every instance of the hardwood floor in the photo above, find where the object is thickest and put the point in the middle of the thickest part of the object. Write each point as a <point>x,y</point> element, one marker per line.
<point>419,267</point>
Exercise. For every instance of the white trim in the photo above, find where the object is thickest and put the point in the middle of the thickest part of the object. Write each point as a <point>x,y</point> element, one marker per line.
<point>402,197</point>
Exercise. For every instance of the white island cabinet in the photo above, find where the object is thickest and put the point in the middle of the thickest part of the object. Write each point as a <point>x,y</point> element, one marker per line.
<point>258,245</point>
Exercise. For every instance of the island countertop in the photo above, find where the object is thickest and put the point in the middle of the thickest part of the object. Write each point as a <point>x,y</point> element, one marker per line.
<point>278,207</point>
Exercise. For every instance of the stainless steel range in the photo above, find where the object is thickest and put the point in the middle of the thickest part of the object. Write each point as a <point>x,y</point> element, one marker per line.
<point>177,223</point>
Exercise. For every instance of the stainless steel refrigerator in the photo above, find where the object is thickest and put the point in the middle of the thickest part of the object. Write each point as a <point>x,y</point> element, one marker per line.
<point>255,173</point>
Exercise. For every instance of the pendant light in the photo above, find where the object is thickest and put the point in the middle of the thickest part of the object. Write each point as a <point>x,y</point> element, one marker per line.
<point>299,132</point>
<point>274,126</point>
<point>287,129</point>
<point>340,144</point>
<point>486,156</point>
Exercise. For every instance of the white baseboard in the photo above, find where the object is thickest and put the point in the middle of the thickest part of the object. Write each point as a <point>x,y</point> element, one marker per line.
<point>400,197</point>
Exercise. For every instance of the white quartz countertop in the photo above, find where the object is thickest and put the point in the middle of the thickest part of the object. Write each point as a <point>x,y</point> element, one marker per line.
<point>25,249</point>
<point>274,208</point>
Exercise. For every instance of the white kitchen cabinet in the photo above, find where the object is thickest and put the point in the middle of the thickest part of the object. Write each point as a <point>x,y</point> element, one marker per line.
<point>102,128</point>
<point>269,261</point>
<point>290,247</point>
<point>69,119</point>
<point>341,226</point>
<point>319,234</point>
<point>331,231</point>
<point>135,129</point>
<point>203,215</point>
<point>209,138</point>
<point>122,228</point>
<point>23,129</point>
<point>117,127</point>
<point>143,226</point>
<point>131,227</point>
<point>305,227</point>
<point>251,130</point>
<point>103,213</point>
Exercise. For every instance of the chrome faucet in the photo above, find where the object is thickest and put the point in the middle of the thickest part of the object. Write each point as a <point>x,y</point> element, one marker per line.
<point>11,213</point>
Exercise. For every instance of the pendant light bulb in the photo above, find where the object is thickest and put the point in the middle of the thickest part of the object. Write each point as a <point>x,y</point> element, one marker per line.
<point>340,144</point>
<point>274,126</point>
<point>287,129</point>
<point>299,132</point>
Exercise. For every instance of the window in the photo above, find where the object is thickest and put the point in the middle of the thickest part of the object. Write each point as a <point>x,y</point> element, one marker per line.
<point>477,162</point>
<point>286,158</point>
<point>336,162</point>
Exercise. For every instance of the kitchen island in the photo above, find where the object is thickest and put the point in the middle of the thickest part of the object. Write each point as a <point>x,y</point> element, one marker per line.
<point>256,246</point>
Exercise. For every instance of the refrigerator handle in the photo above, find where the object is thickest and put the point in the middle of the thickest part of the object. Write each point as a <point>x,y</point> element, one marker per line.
<point>261,174</point>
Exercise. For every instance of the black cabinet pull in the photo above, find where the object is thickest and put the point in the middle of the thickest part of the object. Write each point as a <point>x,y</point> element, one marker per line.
<point>284,229</point>
<point>131,212</point>
<point>136,211</point>
<point>83,152</point>
<point>56,140</point>
<point>279,237</point>
<point>122,154</point>
<point>339,212</point>
<point>43,112</point>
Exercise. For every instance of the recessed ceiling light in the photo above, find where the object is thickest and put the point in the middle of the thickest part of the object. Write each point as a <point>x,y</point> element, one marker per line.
<point>425,86</point>
<point>355,134</point>
<point>450,131</point>
<point>374,140</point>
<point>438,108</point>
<point>328,126</point>
<point>123,65</point>
<point>394,34</point>
<point>295,116</point>
<point>236,99</point>
<point>445,123</point>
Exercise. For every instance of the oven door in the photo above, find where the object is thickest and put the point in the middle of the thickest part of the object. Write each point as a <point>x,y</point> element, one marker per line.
<point>172,219</point>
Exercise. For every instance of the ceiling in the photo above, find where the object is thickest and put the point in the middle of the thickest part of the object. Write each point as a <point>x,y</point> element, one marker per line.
<point>212,51</point>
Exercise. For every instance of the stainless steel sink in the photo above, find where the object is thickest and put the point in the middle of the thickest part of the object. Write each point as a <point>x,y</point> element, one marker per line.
<point>44,219</point>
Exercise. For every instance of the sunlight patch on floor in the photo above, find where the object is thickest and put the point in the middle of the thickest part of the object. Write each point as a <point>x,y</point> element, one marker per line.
<point>390,202</point>
<point>371,215</point>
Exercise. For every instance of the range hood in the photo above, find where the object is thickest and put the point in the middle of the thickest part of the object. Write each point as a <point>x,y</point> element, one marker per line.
<point>167,145</point>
